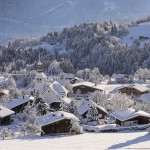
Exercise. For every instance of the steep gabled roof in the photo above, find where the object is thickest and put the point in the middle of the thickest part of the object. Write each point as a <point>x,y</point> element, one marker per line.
<point>54,117</point>
<point>5,112</point>
<point>128,113</point>
<point>21,100</point>
<point>60,89</point>
<point>85,106</point>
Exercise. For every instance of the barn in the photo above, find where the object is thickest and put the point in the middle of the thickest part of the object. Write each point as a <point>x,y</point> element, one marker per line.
<point>85,106</point>
<point>56,122</point>
<point>17,105</point>
<point>136,90</point>
<point>5,114</point>
<point>86,87</point>
<point>130,117</point>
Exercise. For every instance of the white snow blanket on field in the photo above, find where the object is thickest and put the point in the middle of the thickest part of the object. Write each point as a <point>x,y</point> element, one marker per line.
<point>87,141</point>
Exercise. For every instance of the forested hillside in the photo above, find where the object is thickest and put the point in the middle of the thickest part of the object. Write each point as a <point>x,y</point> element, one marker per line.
<point>88,45</point>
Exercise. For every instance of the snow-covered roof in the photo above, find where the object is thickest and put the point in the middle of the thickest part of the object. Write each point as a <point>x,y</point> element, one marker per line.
<point>86,105</point>
<point>145,97</point>
<point>54,117</point>
<point>119,76</point>
<point>5,112</point>
<point>88,84</point>
<point>40,63</point>
<point>128,113</point>
<point>40,75</point>
<point>19,101</point>
<point>60,89</point>
<point>69,76</point>
<point>138,87</point>
<point>61,81</point>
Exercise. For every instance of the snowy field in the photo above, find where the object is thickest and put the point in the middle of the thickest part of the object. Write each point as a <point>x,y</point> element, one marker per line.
<point>136,31</point>
<point>86,141</point>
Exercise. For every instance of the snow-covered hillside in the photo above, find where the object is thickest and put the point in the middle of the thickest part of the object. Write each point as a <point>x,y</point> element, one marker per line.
<point>142,29</point>
<point>34,18</point>
<point>87,141</point>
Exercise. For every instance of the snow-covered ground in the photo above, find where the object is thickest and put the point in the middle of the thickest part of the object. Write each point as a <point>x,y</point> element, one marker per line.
<point>142,29</point>
<point>86,141</point>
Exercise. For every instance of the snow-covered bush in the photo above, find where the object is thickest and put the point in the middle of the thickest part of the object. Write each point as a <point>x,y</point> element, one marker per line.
<point>75,127</point>
<point>6,133</point>
<point>120,101</point>
<point>99,98</point>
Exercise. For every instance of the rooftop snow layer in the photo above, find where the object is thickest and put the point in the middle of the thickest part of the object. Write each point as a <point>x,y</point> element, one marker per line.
<point>60,89</point>
<point>128,113</point>
<point>19,101</point>
<point>88,84</point>
<point>119,76</point>
<point>138,87</point>
<point>5,112</point>
<point>54,117</point>
<point>86,105</point>
<point>145,97</point>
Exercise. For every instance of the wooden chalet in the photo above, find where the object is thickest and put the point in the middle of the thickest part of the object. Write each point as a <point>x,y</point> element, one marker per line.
<point>5,114</point>
<point>130,117</point>
<point>56,122</point>
<point>122,78</point>
<point>17,105</point>
<point>86,87</point>
<point>86,105</point>
<point>136,90</point>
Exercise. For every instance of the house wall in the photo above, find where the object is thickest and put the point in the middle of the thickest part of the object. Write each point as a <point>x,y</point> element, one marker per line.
<point>19,108</point>
<point>140,119</point>
<point>5,120</point>
<point>62,126</point>
<point>133,91</point>
<point>1,94</point>
<point>55,105</point>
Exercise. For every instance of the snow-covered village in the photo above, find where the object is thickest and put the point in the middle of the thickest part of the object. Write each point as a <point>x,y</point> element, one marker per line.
<point>79,84</point>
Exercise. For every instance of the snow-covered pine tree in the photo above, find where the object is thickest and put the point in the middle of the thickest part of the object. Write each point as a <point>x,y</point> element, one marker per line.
<point>92,116</point>
<point>42,108</point>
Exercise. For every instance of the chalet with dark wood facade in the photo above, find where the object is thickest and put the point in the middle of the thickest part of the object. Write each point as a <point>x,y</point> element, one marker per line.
<point>17,105</point>
<point>86,105</point>
<point>86,87</point>
<point>56,122</point>
<point>135,90</point>
<point>130,117</point>
<point>5,114</point>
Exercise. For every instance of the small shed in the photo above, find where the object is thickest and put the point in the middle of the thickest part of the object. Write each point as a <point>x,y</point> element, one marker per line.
<point>85,106</point>
<point>136,90</point>
<point>56,122</point>
<point>86,87</point>
<point>130,117</point>
<point>5,114</point>
<point>17,105</point>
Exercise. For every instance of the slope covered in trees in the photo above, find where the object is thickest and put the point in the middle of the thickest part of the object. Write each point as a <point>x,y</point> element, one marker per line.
<point>88,45</point>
